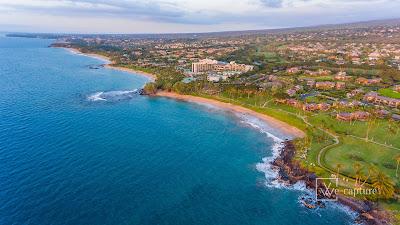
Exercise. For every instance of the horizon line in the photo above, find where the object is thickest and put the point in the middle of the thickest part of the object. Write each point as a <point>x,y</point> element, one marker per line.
<point>212,32</point>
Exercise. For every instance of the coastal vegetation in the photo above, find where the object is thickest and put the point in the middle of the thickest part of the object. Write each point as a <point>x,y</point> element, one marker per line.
<point>320,85</point>
<point>362,157</point>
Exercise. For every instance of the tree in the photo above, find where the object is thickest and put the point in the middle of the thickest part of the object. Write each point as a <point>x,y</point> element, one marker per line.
<point>339,166</point>
<point>397,166</point>
<point>357,170</point>
<point>370,124</point>
<point>383,184</point>
<point>150,88</point>
<point>371,170</point>
<point>393,127</point>
<point>232,91</point>
<point>179,87</point>
<point>167,87</point>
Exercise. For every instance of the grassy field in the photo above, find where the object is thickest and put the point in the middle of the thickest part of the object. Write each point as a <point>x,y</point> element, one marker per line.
<point>367,154</point>
<point>387,92</point>
<point>269,56</point>
<point>382,131</point>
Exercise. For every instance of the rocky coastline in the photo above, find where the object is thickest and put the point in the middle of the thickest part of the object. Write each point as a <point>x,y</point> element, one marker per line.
<point>290,172</point>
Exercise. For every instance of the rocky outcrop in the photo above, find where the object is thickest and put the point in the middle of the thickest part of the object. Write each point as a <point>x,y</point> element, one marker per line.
<point>291,172</point>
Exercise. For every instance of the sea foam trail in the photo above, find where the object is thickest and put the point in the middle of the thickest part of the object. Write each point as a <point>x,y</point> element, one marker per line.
<point>112,96</point>
<point>96,97</point>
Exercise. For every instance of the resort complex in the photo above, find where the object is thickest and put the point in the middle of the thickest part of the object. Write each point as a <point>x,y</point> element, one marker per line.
<point>208,65</point>
<point>96,127</point>
<point>341,91</point>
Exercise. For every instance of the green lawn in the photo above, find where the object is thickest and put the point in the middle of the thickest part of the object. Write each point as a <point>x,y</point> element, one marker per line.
<point>381,131</point>
<point>366,153</point>
<point>387,92</point>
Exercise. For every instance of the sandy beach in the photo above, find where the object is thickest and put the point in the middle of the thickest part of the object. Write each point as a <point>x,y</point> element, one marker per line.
<point>109,64</point>
<point>148,75</point>
<point>284,127</point>
<point>293,131</point>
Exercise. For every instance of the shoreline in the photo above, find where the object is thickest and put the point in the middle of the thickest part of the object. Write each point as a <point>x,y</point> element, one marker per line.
<point>109,63</point>
<point>281,161</point>
<point>274,123</point>
<point>290,172</point>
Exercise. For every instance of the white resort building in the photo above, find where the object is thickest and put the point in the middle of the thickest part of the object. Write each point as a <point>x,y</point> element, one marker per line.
<point>209,65</point>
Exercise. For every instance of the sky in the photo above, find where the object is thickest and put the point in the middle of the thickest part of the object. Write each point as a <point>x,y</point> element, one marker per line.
<point>174,16</point>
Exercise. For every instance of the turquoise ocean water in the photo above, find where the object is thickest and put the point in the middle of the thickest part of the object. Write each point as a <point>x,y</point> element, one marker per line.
<point>78,147</point>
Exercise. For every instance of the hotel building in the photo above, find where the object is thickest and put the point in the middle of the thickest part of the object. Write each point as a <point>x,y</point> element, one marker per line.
<point>208,65</point>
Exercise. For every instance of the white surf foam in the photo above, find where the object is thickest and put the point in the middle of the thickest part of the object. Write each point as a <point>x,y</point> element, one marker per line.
<point>96,97</point>
<point>331,205</point>
<point>266,167</point>
<point>76,52</point>
<point>272,178</point>
<point>112,96</point>
<point>272,173</point>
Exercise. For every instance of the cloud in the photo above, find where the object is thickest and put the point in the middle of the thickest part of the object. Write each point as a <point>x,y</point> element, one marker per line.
<point>272,3</point>
<point>153,10</point>
<point>201,14</point>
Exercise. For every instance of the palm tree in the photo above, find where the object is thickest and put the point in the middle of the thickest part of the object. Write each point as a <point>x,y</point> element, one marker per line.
<point>339,166</point>
<point>383,184</point>
<point>370,124</point>
<point>391,127</point>
<point>357,170</point>
<point>398,161</point>
<point>371,170</point>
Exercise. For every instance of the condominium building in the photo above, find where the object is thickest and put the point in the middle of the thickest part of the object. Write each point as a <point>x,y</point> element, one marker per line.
<point>208,65</point>
<point>381,100</point>
<point>204,65</point>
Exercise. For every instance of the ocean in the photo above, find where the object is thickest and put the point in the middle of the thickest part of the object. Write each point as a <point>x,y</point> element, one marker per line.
<point>79,146</point>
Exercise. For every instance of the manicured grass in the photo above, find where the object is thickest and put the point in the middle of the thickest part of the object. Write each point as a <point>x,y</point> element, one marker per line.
<point>381,131</point>
<point>270,56</point>
<point>387,92</point>
<point>366,153</point>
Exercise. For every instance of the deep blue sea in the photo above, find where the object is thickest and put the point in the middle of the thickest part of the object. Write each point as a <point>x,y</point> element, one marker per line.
<point>68,156</point>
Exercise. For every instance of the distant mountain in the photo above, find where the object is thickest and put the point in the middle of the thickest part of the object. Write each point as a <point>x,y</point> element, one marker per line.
<point>356,25</point>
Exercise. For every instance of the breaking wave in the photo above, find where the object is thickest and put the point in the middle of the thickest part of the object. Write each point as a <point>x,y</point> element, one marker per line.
<point>266,167</point>
<point>112,96</point>
<point>272,174</point>
<point>272,177</point>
